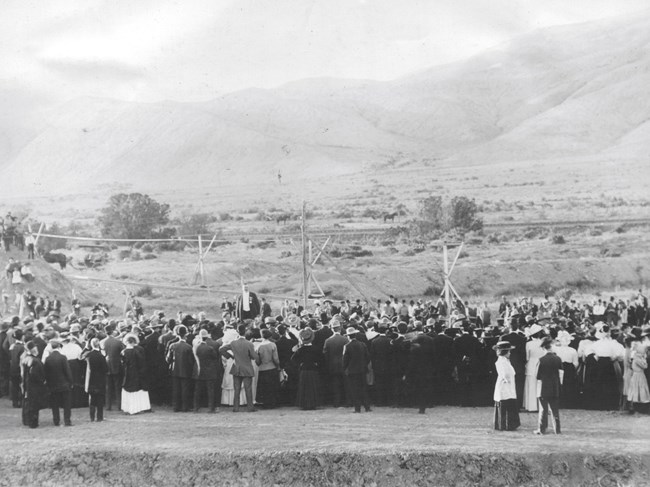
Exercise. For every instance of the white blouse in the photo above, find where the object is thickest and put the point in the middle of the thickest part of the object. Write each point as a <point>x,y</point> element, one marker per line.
<point>505,386</point>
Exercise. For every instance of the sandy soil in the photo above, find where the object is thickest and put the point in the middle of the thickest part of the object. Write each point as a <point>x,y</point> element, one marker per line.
<point>447,446</point>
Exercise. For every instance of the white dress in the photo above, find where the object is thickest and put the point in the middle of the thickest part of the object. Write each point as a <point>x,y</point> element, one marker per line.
<point>534,352</point>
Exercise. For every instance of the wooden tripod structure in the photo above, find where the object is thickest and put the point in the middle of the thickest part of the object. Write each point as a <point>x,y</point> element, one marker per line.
<point>309,261</point>
<point>448,288</point>
<point>199,271</point>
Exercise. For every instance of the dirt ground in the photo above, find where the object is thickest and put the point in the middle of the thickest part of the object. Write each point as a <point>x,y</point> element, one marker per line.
<point>447,446</point>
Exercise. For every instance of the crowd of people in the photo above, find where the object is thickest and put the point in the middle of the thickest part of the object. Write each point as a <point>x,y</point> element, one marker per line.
<point>336,354</point>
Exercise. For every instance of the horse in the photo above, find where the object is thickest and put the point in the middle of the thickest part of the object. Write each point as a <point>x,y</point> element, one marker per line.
<point>390,216</point>
<point>56,258</point>
<point>284,218</point>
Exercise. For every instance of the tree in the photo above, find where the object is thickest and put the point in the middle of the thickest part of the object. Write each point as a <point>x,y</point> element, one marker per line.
<point>195,223</point>
<point>462,214</point>
<point>132,216</point>
<point>437,217</point>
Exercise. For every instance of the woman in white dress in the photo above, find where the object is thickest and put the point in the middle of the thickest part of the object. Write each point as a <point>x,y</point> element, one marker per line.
<point>135,398</point>
<point>534,352</point>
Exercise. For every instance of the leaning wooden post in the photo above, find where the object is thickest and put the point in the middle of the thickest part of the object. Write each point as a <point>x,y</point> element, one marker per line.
<point>305,278</point>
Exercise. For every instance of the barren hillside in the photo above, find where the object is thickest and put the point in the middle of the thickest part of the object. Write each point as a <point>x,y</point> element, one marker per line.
<point>568,93</point>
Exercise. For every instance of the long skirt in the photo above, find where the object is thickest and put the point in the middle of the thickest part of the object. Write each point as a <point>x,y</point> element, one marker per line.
<point>637,390</point>
<point>569,391</point>
<point>308,394</point>
<point>606,385</point>
<point>135,402</point>
<point>268,386</point>
<point>506,415</point>
<point>530,393</point>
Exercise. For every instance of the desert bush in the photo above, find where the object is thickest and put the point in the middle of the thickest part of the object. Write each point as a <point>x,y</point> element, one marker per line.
<point>475,241</point>
<point>147,247</point>
<point>432,291</point>
<point>144,291</point>
<point>264,290</point>
<point>344,214</point>
<point>558,239</point>
<point>135,255</point>
<point>582,283</point>
<point>409,253</point>
<point>595,232</point>
<point>285,253</point>
<point>387,243</point>
<point>621,229</point>
<point>138,245</point>
<point>150,256</point>
<point>335,253</point>
<point>171,246</point>
<point>463,254</point>
<point>359,253</point>
<point>264,244</point>
<point>124,254</point>
<point>244,240</point>
<point>392,250</point>
<point>371,213</point>
<point>564,293</point>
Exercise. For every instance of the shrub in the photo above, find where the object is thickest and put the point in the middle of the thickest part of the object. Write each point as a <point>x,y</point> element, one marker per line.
<point>558,239</point>
<point>432,291</point>
<point>124,254</point>
<point>564,293</point>
<point>150,256</point>
<point>135,255</point>
<point>138,245</point>
<point>335,253</point>
<point>147,248</point>
<point>171,246</point>
<point>143,291</point>
<point>265,244</point>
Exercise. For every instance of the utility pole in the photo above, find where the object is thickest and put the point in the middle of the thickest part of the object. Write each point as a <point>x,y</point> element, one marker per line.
<point>305,276</point>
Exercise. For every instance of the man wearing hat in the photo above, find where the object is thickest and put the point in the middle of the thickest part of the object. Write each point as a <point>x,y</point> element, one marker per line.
<point>16,350</point>
<point>242,370</point>
<point>355,364</point>
<point>206,373</point>
<point>113,350</point>
<point>59,382</point>
<point>381,357</point>
<point>549,376</point>
<point>333,355</point>
<point>35,392</point>
<point>181,358</point>
<point>155,374</point>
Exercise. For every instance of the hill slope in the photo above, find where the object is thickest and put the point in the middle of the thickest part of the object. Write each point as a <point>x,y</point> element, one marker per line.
<point>571,92</point>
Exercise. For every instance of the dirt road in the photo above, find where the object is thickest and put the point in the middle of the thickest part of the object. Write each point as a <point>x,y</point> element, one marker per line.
<point>447,446</point>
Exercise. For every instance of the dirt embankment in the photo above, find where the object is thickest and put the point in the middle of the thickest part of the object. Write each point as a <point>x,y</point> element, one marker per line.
<point>315,468</point>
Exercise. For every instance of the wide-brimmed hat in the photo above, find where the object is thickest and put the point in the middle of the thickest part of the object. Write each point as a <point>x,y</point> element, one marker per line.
<point>306,335</point>
<point>502,346</point>
<point>564,337</point>
<point>351,330</point>
<point>533,329</point>
<point>203,333</point>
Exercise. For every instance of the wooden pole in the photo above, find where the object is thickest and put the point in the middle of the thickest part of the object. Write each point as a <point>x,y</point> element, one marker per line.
<point>447,293</point>
<point>305,277</point>
<point>201,260</point>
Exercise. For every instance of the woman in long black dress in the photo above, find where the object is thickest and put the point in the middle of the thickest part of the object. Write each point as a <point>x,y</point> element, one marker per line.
<point>308,360</point>
<point>135,398</point>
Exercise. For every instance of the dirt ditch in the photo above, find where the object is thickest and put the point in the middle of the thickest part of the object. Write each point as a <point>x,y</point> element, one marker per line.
<point>298,468</point>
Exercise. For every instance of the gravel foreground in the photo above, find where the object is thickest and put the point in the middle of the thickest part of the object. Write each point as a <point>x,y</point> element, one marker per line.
<point>288,447</point>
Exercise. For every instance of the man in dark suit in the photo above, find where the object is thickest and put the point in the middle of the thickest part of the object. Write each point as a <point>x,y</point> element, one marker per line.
<point>381,356</point>
<point>355,364</point>
<point>206,373</point>
<point>35,392</point>
<point>113,349</point>
<point>242,370</point>
<point>548,392</point>
<point>401,347</point>
<point>285,344</point>
<point>181,358</point>
<point>16,350</point>
<point>443,366</point>
<point>468,350</point>
<point>155,366</point>
<point>59,382</point>
<point>420,371</point>
<point>517,358</point>
<point>333,355</point>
